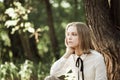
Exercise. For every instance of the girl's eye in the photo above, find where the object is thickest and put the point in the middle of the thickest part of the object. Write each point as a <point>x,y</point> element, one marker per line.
<point>74,34</point>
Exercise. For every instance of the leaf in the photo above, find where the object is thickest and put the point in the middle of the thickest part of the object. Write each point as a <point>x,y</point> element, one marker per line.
<point>31,30</point>
<point>11,13</point>
<point>11,23</point>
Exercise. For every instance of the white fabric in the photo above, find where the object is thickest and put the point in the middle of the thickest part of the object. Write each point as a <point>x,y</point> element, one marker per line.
<point>94,66</point>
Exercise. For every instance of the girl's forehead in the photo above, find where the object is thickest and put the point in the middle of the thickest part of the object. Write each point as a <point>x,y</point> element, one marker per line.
<point>71,28</point>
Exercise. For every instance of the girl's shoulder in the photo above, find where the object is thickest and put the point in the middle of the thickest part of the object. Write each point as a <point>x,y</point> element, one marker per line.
<point>96,54</point>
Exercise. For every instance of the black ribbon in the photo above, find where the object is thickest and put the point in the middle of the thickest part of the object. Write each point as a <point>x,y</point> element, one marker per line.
<point>82,66</point>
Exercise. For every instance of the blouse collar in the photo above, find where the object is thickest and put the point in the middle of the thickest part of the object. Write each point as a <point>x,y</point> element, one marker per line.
<point>83,56</point>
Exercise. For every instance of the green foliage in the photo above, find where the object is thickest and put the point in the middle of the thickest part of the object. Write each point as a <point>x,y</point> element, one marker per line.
<point>18,14</point>
<point>8,71</point>
<point>25,71</point>
<point>19,18</point>
<point>31,18</point>
<point>69,76</point>
<point>43,70</point>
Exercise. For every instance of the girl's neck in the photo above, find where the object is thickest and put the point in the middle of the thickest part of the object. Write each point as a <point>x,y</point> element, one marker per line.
<point>78,52</point>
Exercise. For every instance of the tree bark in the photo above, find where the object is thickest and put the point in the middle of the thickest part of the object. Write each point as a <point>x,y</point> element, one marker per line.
<point>105,36</point>
<point>115,13</point>
<point>29,46</point>
<point>53,37</point>
<point>16,49</point>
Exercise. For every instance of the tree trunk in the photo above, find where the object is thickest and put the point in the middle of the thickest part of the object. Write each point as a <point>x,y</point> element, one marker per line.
<point>53,37</point>
<point>105,36</point>
<point>29,46</point>
<point>16,49</point>
<point>115,13</point>
<point>75,8</point>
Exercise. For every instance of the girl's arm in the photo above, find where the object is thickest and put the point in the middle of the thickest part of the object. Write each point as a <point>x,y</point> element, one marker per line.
<point>62,66</point>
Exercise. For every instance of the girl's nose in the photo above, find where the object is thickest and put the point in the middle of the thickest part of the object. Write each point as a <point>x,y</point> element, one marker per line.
<point>69,37</point>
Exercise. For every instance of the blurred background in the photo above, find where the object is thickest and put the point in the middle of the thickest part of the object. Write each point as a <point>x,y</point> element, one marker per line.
<point>32,35</point>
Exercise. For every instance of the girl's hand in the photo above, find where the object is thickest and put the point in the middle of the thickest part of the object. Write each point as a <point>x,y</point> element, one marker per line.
<point>69,50</point>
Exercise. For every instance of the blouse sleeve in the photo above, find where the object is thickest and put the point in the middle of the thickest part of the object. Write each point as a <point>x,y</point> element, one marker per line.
<point>100,69</point>
<point>60,67</point>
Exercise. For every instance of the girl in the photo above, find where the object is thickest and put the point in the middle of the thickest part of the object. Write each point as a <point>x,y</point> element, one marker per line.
<point>85,63</point>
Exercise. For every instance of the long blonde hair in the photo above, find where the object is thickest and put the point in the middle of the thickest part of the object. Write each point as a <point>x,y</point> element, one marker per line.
<point>84,35</point>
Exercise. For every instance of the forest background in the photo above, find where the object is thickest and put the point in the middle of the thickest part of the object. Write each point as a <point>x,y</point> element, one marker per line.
<point>32,34</point>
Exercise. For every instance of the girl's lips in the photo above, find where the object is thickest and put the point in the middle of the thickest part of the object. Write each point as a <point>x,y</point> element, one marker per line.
<point>70,42</point>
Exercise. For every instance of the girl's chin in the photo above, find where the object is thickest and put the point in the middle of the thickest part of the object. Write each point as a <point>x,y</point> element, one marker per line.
<point>71,46</point>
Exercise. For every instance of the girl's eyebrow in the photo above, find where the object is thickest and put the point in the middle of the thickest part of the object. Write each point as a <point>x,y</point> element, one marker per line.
<point>73,32</point>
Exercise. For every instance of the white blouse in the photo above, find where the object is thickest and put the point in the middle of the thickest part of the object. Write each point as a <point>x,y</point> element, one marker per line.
<point>94,66</point>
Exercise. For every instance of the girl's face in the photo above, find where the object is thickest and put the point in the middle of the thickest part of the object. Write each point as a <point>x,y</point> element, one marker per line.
<point>72,37</point>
